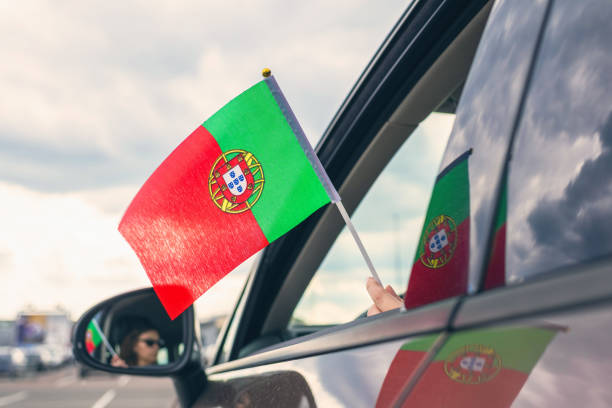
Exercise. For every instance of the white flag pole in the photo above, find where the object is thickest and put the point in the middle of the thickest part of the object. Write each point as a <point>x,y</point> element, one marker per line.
<point>362,249</point>
<point>316,164</point>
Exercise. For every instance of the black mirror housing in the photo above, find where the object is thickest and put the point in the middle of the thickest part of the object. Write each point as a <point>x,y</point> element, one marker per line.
<point>124,307</point>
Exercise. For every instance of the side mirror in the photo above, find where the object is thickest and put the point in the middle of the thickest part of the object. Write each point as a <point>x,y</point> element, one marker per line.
<point>132,334</point>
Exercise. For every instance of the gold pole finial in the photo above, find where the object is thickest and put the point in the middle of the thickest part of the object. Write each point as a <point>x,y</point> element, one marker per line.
<point>266,72</point>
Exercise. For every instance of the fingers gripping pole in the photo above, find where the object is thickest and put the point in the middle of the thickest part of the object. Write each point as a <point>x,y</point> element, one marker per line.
<point>351,228</point>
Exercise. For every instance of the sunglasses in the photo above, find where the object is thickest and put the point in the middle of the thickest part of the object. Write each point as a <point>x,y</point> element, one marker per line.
<point>152,342</point>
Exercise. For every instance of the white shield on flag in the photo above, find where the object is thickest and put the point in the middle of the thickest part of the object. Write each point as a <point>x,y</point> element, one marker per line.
<point>472,363</point>
<point>235,180</point>
<point>438,241</point>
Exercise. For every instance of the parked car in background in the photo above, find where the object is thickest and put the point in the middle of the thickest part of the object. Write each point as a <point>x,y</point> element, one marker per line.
<point>516,94</point>
<point>16,361</point>
<point>12,361</point>
<point>7,332</point>
<point>46,335</point>
<point>52,356</point>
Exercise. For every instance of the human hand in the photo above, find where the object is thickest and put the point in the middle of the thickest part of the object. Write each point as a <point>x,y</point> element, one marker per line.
<point>384,299</point>
<point>118,362</point>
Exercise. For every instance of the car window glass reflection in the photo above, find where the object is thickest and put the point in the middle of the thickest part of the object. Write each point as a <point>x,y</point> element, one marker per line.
<point>389,220</point>
<point>558,360</point>
<point>560,184</point>
<point>474,368</point>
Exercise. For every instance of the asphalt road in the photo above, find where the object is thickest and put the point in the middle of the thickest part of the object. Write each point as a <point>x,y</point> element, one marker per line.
<point>63,388</point>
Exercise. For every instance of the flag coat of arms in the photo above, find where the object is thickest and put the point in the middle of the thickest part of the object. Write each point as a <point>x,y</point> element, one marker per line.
<point>241,180</point>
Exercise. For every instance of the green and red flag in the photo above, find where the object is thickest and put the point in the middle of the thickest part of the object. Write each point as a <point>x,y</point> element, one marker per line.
<point>242,179</point>
<point>440,268</point>
<point>481,368</point>
<point>496,270</point>
<point>92,338</point>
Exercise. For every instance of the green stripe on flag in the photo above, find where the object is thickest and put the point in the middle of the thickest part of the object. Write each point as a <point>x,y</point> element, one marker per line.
<point>452,187</point>
<point>518,348</point>
<point>420,344</point>
<point>95,335</point>
<point>502,210</point>
<point>292,190</point>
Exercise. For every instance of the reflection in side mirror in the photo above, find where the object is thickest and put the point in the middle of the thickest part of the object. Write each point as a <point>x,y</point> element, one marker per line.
<point>140,344</point>
<point>131,331</point>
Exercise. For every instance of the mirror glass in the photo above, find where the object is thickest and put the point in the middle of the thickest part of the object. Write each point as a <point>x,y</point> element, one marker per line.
<point>134,332</point>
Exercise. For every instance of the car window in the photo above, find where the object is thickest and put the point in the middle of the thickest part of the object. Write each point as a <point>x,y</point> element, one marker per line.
<point>559,189</point>
<point>388,220</point>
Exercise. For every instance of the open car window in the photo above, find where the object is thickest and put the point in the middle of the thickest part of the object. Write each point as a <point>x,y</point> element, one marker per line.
<point>389,220</point>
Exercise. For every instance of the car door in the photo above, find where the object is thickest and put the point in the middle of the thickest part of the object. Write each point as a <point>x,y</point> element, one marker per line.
<point>538,332</point>
<point>271,355</point>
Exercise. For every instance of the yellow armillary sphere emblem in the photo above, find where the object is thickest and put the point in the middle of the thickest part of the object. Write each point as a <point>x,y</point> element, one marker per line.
<point>439,241</point>
<point>473,364</point>
<point>235,181</point>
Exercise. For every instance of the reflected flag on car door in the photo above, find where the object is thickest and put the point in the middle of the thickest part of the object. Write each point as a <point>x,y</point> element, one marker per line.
<point>482,367</point>
<point>496,270</point>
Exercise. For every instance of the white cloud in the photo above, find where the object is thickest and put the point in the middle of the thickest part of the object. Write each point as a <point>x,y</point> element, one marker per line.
<point>94,97</point>
<point>221,298</point>
<point>61,249</point>
<point>64,249</point>
<point>381,244</point>
<point>326,312</point>
<point>126,82</point>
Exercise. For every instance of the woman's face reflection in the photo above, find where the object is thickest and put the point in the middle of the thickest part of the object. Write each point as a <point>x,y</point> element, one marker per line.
<point>146,347</point>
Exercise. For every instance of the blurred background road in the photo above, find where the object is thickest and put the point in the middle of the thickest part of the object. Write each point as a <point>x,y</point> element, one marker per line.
<point>65,388</point>
<point>37,368</point>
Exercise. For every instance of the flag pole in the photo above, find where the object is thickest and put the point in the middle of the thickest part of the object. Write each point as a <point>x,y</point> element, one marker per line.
<point>104,340</point>
<point>362,249</point>
<point>316,165</point>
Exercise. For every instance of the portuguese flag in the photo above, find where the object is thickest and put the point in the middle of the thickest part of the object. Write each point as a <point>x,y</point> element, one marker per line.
<point>242,179</point>
<point>440,268</point>
<point>481,368</point>
<point>496,270</point>
<point>92,338</point>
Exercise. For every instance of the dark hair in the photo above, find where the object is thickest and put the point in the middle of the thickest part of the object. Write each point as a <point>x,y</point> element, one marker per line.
<point>127,352</point>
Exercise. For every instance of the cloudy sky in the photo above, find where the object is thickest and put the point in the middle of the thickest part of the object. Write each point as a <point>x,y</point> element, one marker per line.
<point>96,94</point>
